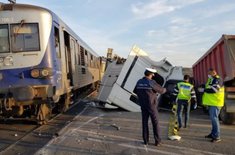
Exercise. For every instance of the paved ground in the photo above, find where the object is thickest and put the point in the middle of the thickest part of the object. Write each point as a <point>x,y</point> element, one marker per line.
<point>24,137</point>
<point>98,131</point>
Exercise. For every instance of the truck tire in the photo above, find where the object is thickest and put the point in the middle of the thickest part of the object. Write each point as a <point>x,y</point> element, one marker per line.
<point>227,118</point>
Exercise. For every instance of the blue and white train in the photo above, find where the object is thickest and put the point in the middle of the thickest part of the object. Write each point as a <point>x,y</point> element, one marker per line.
<point>42,62</point>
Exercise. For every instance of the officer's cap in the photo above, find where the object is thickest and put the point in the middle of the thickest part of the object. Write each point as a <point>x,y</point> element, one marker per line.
<point>151,70</point>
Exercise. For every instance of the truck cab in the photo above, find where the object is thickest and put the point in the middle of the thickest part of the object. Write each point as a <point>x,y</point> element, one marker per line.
<point>120,79</point>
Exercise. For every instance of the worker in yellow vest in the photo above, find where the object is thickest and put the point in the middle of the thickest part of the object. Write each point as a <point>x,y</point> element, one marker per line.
<point>184,92</point>
<point>213,97</point>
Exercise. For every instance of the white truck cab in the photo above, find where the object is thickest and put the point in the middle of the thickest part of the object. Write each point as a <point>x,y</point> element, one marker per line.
<point>120,79</point>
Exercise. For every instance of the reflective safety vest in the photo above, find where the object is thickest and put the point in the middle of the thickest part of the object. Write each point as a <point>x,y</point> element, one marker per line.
<point>184,91</point>
<point>213,99</point>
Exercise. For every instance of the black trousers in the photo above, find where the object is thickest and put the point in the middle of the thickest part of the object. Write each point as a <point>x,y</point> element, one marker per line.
<point>153,113</point>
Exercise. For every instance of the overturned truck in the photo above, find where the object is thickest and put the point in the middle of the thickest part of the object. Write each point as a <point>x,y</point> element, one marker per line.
<point>120,78</point>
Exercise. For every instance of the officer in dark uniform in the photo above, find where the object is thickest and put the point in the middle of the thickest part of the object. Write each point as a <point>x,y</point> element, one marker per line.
<point>146,90</point>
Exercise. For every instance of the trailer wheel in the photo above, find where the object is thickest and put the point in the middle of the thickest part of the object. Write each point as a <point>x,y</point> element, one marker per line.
<point>227,118</point>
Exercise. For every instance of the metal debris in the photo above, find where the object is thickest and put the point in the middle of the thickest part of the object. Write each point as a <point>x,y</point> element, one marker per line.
<point>115,126</point>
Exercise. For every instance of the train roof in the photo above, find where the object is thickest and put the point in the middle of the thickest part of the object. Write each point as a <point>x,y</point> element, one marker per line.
<point>56,18</point>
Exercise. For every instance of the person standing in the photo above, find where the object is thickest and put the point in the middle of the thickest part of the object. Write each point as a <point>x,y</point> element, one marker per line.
<point>184,92</point>
<point>146,90</point>
<point>213,97</point>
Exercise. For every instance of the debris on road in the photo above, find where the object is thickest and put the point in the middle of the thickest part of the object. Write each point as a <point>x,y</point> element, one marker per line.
<point>115,126</point>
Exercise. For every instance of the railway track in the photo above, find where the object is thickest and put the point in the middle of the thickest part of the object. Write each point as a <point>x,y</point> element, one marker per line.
<point>23,137</point>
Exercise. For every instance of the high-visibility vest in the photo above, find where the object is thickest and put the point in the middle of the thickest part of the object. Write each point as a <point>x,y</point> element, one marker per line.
<point>184,91</point>
<point>213,99</point>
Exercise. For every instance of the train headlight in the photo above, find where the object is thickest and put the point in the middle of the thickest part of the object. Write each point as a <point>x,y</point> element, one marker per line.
<point>41,72</point>
<point>8,61</point>
<point>45,72</point>
<point>35,73</point>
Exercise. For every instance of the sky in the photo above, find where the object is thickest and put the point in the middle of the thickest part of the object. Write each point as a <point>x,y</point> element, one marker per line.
<point>179,30</point>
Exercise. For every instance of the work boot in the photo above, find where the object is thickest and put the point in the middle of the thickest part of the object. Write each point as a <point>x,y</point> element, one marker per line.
<point>209,136</point>
<point>158,144</point>
<point>145,143</point>
<point>215,140</point>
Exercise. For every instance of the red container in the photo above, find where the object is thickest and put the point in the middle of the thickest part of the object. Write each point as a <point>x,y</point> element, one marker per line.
<point>221,57</point>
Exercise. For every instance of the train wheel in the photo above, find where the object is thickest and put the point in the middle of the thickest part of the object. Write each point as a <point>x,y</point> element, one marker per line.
<point>227,118</point>
<point>44,113</point>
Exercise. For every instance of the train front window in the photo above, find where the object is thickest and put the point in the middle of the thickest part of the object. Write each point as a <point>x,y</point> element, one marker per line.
<point>24,37</point>
<point>4,39</point>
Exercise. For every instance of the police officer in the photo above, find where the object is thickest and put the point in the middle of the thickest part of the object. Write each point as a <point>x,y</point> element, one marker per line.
<point>213,97</point>
<point>146,90</point>
<point>184,92</point>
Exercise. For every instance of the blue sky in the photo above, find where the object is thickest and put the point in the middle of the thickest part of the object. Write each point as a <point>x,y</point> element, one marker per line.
<point>179,30</point>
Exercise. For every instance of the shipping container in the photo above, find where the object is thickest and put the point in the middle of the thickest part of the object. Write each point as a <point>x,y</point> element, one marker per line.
<point>221,57</point>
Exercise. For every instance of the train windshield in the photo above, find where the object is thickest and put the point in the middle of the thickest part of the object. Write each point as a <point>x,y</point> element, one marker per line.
<point>24,37</point>
<point>4,39</point>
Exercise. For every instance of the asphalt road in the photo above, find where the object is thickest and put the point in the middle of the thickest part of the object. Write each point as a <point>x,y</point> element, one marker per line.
<point>99,131</point>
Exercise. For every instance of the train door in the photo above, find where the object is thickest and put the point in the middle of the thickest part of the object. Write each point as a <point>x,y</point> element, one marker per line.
<point>68,57</point>
<point>73,52</point>
<point>57,45</point>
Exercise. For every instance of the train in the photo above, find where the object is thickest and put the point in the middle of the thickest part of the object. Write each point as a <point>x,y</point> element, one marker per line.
<point>43,63</point>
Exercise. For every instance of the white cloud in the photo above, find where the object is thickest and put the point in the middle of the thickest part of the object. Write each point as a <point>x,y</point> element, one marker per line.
<point>176,53</point>
<point>154,33</point>
<point>100,41</point>
<point>228,25</point>
<point>150,10</point>
<point>158,7</point>
<point>176,32</point>
<point>182,50</point>
<point>220,9</point>
<point>181,21</point>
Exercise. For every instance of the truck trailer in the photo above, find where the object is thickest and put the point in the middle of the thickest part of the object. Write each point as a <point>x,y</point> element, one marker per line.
<point>221,57</point>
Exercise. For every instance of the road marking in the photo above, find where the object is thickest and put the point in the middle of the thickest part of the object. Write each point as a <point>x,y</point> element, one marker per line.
<point>112,136</point>
<point>87,122</point>
<point>185,150</point>
<point>147,149</point>
<point>191,150</point>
